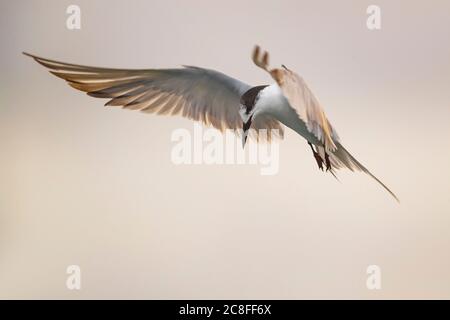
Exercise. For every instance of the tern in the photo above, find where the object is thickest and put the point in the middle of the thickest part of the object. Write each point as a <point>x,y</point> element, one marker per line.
<point>221,101</point>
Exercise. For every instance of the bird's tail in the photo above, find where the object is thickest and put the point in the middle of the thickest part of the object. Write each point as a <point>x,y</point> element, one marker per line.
<point>341,158</point>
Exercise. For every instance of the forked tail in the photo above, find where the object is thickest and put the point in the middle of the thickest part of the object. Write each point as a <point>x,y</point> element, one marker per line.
<point>342,158</point>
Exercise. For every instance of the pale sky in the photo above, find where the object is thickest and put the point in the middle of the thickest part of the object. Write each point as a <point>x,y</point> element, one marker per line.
<point>86,185</point>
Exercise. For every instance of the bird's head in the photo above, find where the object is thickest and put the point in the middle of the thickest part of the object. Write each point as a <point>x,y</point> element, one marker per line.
<point>246,116</point>
<point>244,113</point>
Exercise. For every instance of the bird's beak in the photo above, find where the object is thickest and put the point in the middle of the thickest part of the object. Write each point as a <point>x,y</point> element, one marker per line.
<point>246,123</point>
<point>244,138</point>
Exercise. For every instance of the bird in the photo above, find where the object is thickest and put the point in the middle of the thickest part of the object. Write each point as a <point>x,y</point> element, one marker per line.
<point>218,100</point>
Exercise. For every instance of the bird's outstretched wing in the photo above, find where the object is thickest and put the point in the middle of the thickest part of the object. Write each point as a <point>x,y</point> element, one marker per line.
<point>301,99</point>
<point>311,113</point>
<point>204,95</point>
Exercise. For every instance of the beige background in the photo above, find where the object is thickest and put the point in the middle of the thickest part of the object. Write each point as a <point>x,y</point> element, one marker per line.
<point>83,184</point>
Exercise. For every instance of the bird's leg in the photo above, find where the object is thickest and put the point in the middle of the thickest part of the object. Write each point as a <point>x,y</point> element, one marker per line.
<point>327,160</point>
<point>317,156</point>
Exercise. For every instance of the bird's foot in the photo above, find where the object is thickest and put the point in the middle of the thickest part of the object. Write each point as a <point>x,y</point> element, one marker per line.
<point>319,160</point>
<point>327,162</point>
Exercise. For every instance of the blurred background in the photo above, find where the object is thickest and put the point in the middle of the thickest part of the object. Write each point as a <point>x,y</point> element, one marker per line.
<point>86,185</point>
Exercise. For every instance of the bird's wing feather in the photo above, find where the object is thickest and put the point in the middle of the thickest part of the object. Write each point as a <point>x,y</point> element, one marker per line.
<point>196,93</point>
<point>306,105</point>
<point>309,110</point>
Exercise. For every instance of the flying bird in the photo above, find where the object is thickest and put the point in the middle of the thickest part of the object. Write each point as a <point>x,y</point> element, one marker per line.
<point>221,101</point>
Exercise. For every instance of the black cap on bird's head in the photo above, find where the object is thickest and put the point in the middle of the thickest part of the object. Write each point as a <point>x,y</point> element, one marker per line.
<point>247,109</point>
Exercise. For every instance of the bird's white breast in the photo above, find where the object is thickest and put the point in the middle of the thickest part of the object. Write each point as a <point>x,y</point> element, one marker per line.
<point>271,101</point>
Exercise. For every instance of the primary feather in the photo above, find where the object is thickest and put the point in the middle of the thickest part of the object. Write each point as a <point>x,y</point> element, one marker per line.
<point>200,94</point>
